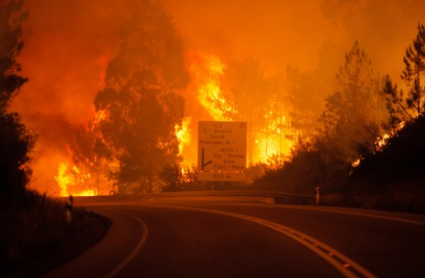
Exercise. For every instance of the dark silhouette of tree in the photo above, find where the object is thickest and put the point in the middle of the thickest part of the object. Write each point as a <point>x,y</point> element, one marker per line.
<point>15,144</point>
<point>11,19</point>
<point>15,140</point>
<point>414,61</point>
<point>301,175</point>
<point>395,175</point>
<point>172,177</point>
<point>401,160</point>
<point>354,113</point>
<point>395,102</point>
<point>408,106</point>
<point>140,101</point>
<point>351,122</point>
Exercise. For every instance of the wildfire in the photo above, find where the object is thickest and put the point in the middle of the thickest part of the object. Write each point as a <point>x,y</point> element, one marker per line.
<point>274,141</point>
<point>207,72</point>
<point>70,181</point>
<point>99,116</point>
<point>88,178</point>
<point>85,181</point>
<point>382,141</point>
<point>63,179</point>
<point>183,134</point>
<point>271,138</point>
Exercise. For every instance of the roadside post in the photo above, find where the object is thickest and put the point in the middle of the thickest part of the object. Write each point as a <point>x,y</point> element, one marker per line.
<point>68,210</point>
<point>317,195</point>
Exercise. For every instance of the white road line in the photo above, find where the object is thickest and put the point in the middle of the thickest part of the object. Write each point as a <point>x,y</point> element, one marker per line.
<point>358,214</point>
<point>342,263</point>
<point>335,210</point>
<point>135,251</point>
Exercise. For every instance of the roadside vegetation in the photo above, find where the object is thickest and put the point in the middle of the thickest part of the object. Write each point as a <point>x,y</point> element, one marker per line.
<point>370,151</point>
<point>34,233</point>
<point>35,236</point>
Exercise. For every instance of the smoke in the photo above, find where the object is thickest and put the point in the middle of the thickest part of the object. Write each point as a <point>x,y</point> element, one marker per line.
<point>384,29</point>
<point>67,47</point>
<point>281,33</point>
<point>69,43</point>
<point>276,33</point>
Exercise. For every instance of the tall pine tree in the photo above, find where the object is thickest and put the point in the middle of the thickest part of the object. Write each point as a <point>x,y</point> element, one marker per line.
<point>355,111</point>
<point>408,106</point>
<point>414,71</point>
<point>140,98</point>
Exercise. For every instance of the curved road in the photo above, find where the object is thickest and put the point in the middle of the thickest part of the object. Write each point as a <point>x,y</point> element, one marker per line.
<point>207,239</point>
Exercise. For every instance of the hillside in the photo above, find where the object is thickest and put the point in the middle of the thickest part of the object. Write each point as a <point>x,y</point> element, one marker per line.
<point>396,175</point>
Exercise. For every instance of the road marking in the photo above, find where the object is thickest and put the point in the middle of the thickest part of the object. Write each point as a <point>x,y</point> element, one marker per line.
<point>335,210</point>
<point>342,263</point>
<point>359,214</point>
<point>135,251</point>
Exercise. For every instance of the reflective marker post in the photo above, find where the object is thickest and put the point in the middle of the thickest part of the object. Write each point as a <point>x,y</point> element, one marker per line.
<point>68,210</point>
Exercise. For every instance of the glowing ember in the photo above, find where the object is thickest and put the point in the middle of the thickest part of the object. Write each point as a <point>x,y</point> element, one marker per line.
<point>356,163</point>
<point>383,140</point>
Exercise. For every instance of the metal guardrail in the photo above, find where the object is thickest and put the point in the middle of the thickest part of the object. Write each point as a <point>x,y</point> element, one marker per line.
<point>279,197</point>
<point>218,195</point>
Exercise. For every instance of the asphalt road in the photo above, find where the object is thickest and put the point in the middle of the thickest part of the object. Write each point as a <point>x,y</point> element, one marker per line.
<point>207,239</point>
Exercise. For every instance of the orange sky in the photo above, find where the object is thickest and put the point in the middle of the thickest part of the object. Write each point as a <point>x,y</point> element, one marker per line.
<point>270,31</point>
<point>69,43</point>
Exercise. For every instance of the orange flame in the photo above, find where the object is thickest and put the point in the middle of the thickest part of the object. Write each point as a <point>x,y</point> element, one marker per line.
<point>275,141</point>
<point>183,134</point>
<point>207,73</point>
<point>88,179</point>
<point>70,180</point>
<point>63,179</point>
<point>272,140</point>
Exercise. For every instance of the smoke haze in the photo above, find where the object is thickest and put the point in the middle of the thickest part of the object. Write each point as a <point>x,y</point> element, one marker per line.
<point>68,45</point>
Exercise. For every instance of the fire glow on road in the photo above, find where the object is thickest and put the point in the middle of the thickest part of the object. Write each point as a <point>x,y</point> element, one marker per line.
<point>342,263</point>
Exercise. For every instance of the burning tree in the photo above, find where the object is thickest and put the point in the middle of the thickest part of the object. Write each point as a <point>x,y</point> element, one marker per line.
<point>240,91</point>
<point>15,140</point>
<point>250,93</point>
<point>414,61</point>
<point>140,101</point>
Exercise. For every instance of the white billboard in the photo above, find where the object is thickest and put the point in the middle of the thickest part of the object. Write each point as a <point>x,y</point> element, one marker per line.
<point>222,150</point>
